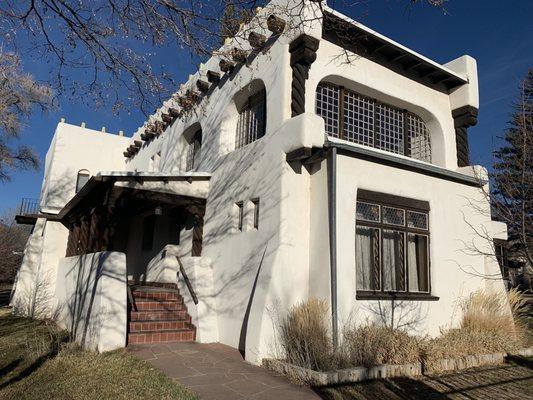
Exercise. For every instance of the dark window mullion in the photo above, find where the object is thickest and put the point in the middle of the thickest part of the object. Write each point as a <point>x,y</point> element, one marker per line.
<point>341,112</point>
<point>406,135</point>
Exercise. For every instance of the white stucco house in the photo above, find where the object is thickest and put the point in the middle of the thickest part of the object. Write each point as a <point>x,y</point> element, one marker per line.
<point>278,172</point>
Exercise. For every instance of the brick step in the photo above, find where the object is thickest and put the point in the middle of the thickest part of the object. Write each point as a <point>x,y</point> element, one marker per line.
<point>158,315</point>
<point>181,335</point>
<point>156,295</point>
<point>147,305</point>
<point>160,326</point>
<point>154,285</point>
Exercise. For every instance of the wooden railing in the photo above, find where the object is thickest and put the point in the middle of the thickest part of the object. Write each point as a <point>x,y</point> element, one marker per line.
<point>187,281</point>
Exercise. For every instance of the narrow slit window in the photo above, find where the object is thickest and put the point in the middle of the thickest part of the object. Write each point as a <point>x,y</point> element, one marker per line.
<point>194,146</point>
<point>255,203</point>
<point>240,215</point>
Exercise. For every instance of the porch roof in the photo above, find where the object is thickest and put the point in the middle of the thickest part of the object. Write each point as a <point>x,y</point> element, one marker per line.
<point>189,189</point>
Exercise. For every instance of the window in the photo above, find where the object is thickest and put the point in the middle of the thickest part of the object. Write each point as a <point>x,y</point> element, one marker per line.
<point>252,120</point>
<point>240,214</point>
<point>363,120</point>
<point>255,203</point>
<point>391,245</point>
<point>193,150</point>
<point>82,179</point>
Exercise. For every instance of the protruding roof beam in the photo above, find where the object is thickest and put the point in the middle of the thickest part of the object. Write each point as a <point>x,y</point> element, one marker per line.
<point>226,66</point>
<point>166,118</point>
<point>239,55</point>
<point>137,143</point>
<point>159,127</point>
<point>174,113</point>
<point>126,154</point>
<point>213,76</point>
<point>202,86</point>
<point>276,25</point>
<point>256,40</point>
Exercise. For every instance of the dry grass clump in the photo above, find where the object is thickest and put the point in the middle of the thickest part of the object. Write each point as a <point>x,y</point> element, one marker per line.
<point>305,337</point>
<point>374,344</point>
<point>486,327</point>
<point>489,312</point>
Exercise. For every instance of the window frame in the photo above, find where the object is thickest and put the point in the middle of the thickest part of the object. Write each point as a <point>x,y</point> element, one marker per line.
<point>256,207</point>
<point>405,204</point>
<point>243,134</point>
<point>194,147</point>
<point>378,124</point>
<point>240,215</point>
<point>82,173</point>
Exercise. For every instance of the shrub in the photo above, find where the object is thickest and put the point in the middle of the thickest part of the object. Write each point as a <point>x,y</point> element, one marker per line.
<point>486,327</point>
<point>304,335</point>
<point>374,344</point>
<point>486,311</point>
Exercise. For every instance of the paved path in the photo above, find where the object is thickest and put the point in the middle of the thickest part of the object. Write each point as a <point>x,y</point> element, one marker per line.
<point>218,372</point>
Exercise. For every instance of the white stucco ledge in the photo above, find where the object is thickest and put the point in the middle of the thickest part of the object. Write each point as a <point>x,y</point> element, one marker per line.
<point>399,161</point>
<point>156,175</point>
<point>303,131</point>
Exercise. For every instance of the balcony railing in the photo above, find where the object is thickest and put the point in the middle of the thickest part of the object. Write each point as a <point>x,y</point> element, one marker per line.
<point>29,206</point>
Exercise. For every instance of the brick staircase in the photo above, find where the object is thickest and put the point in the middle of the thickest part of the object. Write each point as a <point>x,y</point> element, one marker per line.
<point>159,316</point>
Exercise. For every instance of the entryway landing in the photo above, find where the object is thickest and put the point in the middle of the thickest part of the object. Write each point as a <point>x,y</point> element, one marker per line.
<point>218,372</point>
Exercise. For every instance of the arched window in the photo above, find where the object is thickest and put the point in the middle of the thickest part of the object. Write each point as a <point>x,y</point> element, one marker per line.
<point>194,146</point>
<point>251,123</point>
<point>81,180</point>
<point>363,120</point>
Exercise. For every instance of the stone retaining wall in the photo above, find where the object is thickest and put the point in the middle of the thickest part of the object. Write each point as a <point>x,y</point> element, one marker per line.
<point>359,374</point>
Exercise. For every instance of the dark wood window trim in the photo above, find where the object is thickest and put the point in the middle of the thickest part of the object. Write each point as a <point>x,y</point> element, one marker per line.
<point>378,295</point>
<point>407,204</point>
<point>240,215</point>
<point>246,132</point>
<point>256,204</point>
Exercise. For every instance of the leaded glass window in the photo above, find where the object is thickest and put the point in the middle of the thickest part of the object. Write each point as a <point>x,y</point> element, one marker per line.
<point>363,120</point>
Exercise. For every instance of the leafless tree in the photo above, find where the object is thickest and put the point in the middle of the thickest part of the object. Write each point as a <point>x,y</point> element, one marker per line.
<point>12,241</point>
<point>511,186</point>
<point>112,43</point>
<point>19,95</point>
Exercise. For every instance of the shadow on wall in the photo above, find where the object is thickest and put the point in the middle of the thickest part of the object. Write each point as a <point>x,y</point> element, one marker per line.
<point>92,299</point>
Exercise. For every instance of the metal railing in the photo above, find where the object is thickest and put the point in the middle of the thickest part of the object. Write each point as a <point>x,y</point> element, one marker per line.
<point>29,206</point>
<point>187,281</point>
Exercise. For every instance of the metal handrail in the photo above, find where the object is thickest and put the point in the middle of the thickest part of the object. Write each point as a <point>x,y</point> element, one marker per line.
<point>187,281</point>
<point>131,299</point>
<point>29,206</point>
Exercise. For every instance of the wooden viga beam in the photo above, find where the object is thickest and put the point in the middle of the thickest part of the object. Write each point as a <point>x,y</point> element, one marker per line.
<point>166,118</point>
<point>202,86</point>
<point>256,40</point>
<point>137,143</point>
<point>276,25</point>
<point>126,154</point>
<point>159,127</point>
<point>213,77</point>
<point>239,55</point>
<point>226,66</point>
<point>174,113</point>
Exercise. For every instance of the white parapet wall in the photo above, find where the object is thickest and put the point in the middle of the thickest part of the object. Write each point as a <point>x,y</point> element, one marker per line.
<point>91,299</point>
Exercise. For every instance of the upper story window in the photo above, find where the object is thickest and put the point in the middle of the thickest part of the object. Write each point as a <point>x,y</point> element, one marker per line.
<point>252,120</point>
<point>363,120</point>
<point>391,245</point>
<point>194,145</point>
<point>82,179</point>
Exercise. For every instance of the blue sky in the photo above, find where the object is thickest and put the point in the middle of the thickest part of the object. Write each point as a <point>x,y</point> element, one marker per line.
<point>499,34</point>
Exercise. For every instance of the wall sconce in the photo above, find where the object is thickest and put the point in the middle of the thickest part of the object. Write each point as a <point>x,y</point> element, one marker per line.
<point>158,210</point>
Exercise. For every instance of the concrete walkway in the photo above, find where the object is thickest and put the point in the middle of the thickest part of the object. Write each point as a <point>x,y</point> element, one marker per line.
<point>218,372</point>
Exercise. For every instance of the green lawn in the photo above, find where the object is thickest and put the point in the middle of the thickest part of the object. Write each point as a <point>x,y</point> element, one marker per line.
<point>36,362</point>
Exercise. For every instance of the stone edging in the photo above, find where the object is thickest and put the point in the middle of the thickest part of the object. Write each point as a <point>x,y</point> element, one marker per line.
<point>359,374</point>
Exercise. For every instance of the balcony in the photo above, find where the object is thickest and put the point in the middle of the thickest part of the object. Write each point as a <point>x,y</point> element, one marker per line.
<point>28,211</point>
